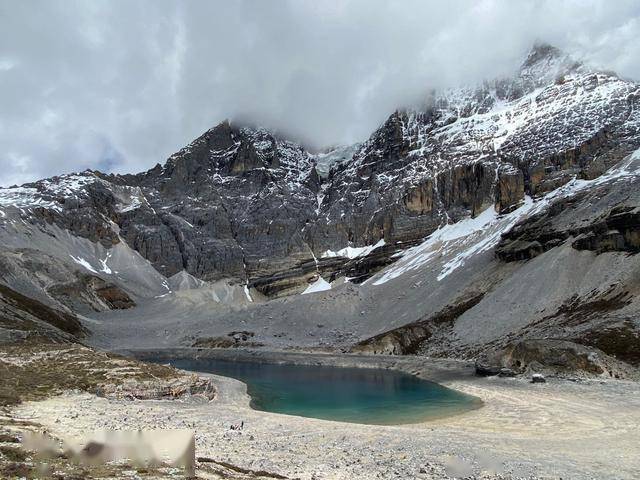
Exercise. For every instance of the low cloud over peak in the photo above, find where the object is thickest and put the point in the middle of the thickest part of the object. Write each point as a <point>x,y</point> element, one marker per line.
<point>120,85</point>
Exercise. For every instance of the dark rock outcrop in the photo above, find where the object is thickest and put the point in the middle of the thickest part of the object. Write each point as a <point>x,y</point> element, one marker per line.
<point>23,318</point>
<point>616,230</point>
<point>408,338</point>
<point>292,279</point>
<point>231,340</point>
<point>621,341</point>
<point>93,292</point>
<point>619,230</point>
<point>552,356</point>
<point>63,286</point>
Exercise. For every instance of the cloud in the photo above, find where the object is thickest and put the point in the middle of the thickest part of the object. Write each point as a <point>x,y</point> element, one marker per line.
<point>120,85</point>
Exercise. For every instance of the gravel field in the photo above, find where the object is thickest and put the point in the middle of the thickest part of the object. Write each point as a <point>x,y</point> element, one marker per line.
<point>579,429</point>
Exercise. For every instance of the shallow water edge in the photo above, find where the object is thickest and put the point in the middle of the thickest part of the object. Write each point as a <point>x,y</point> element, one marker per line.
<point>439,371</point>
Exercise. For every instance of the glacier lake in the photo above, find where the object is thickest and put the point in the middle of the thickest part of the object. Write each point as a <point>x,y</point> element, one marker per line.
<point>354,395</point>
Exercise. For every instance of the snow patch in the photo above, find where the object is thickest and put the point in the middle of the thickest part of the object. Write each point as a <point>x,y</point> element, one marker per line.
<point>135,204</point>
<point>455,243</point>
<point>47,193</point>
<point>353,252</point>
<point>494,230</point>
<point>325,160</point>
<point>319,285</point>
<point>436,244</point>
<point>247,293</point>
<point>105,268</point>
<point>25,197</point>
<point>84,263</point>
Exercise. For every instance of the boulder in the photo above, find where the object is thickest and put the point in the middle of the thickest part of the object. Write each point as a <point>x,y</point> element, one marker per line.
<point>538,378</point>
<point>485,368</point>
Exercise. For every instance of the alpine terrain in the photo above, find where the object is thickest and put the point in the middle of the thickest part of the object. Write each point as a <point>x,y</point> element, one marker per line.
<point>488,241</point>
<point>499,222</point>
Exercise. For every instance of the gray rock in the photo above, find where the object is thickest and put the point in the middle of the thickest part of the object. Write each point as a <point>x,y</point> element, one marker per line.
<point>245,203</point>
<point>558,357</point>
<point>538,378</point>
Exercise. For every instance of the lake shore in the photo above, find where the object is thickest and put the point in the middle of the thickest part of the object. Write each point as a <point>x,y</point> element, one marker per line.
<point>569,429</point>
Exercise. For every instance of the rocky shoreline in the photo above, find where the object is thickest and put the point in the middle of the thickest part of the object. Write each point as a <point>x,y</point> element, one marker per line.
<point>434,369</point>
<point>571,429</point>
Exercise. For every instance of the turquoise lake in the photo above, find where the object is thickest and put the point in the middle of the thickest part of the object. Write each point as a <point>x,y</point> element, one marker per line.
<point>355,395</point>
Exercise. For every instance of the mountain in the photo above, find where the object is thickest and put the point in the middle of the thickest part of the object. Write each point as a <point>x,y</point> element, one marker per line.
<point>428,237</point>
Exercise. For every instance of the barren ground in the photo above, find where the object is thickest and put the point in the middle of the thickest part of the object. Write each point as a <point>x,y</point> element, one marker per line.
<point>561,429</point>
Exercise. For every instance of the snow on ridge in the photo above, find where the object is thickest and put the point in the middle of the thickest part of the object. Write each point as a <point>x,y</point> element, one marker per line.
<point>25,197</point>
<point>476,122</point>
<point>353,252</point>
<point>543,105</point>
<point>545,63</point>
<point>45,193</point>
<point>458,242</point>
<point>68,184</point>
<point>320,285</point>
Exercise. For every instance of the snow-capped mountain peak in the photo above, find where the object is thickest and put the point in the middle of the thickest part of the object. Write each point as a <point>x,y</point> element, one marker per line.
<point>243,202</point>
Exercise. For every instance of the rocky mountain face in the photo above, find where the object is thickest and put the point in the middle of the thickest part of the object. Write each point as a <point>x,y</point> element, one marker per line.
<point>242,203</point>
<point>261,217</point>
<point>472,148</point>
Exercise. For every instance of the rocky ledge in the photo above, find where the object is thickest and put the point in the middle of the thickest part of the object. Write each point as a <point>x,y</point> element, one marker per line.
<point>554,357</point>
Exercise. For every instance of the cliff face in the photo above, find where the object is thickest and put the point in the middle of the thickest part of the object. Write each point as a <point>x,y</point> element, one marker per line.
<point>233,203</point>
<point>498,214</point>
<point>244,204</point>
<point>486,146</point>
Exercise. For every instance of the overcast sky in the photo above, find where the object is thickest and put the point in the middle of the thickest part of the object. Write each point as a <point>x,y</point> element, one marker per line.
<point>119,85</point>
